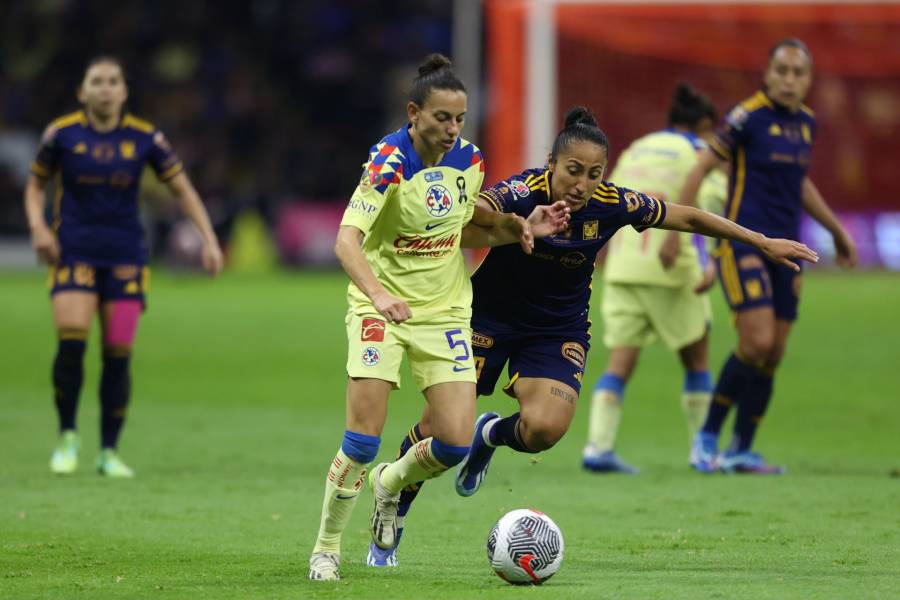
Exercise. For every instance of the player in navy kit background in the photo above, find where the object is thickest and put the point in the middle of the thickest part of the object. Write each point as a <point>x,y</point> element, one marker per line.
<point>530,311</point>
<point>767,139</point>
<point>95,246</point>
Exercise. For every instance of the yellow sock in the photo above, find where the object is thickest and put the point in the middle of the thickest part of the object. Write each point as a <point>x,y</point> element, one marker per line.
<point>606,412</point>
<point>342,487</point>
<point>696,406</point>
<point>418,464</point>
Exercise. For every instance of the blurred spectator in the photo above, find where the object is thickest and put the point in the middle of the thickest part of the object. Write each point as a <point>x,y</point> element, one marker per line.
<point>266,100</point>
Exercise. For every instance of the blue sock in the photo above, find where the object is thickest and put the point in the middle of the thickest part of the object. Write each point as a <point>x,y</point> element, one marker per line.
<point>506,433</point>
<point>612,383</point>
<point>697,381</point>
<point>733,381</point>
<point>360,447</point>
<point>448,455</point>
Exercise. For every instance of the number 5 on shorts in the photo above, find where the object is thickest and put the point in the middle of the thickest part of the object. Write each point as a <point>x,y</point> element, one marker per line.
<point>454,343</point>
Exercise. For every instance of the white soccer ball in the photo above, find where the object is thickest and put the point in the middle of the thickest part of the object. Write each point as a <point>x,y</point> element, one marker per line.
<point>525,547</point>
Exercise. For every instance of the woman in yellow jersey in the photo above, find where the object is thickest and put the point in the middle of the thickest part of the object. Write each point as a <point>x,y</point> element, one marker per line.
<point>399,243</point>
<point>654,282</point>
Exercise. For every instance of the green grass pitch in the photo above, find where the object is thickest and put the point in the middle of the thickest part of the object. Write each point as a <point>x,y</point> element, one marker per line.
<point>238,408</point>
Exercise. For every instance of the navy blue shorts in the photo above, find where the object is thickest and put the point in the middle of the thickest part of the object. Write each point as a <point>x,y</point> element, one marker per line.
<point>560,356</point>
<point>118,282</point>
<point>750,280</point>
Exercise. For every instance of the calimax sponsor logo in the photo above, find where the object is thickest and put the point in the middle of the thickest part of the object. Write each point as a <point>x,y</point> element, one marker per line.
<point>431,246</point>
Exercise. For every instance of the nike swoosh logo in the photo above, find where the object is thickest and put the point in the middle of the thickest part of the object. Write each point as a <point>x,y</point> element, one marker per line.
<point>456,369</point>
<point>343,497</point>
<point>431,226</point>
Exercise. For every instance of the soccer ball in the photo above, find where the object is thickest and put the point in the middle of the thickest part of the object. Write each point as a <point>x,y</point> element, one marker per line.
<point>525,547</point>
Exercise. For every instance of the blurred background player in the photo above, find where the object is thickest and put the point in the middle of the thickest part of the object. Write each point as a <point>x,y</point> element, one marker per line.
<point>654,282</point>
<point>96,249</point>
<point>767,141</point>
<point>399,242</point>
<point>530,311</point>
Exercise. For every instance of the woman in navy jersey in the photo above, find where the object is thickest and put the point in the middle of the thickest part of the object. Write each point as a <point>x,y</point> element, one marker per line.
<point>95,245</point>
<point>767,141</point>
<point>530,311</point>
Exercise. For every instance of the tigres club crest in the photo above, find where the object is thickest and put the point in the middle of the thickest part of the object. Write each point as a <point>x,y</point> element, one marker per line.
<point>438,201</point>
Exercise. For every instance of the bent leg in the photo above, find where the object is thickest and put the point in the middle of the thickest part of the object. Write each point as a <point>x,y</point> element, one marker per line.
<point>452,413</point>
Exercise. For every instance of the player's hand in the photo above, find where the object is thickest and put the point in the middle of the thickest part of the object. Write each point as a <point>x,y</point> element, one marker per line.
<point>393,309</point>
<point>669,250</point>
<point>520,229</point>
<point>708,279</point>
<point>846,249</point>
<point>781,251</point>
<point>212,258</point>
<point>45,244</point>
<point>549,220</point>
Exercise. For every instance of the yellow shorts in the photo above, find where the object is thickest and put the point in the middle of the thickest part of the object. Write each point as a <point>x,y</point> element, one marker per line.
<point>439,351</point>
<point>638,315</point>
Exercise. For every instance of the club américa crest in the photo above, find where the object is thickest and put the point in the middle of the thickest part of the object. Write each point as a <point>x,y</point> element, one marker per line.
<point>371,356</point>
<point>438,201</point>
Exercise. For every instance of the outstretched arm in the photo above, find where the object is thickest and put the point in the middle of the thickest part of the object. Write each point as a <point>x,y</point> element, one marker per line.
<point>687,218</point>
<point>815,205</point>
<point>182,188</point>
<point>489,227</point>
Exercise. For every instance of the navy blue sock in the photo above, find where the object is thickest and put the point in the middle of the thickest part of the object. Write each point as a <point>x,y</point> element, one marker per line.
<point>751,410</point>
<point>409,493</point>
<point>68,374</point>
<point>733,381</point>
<point>115,388</point>
<point>506,433</point>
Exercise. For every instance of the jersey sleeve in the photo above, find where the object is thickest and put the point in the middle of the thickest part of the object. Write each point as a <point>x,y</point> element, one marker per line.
<point>503,197</point>
<point>162,158</point>
<point>477,170</point>
<point>48,154</point>
<point>381,175</point>
<point>640,210</point>
<point>732,132</point>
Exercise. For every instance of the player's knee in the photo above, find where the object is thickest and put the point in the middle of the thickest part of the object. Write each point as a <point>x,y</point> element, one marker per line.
<point>360,447</point>
<point>448,455</point>
<point>542,433</point>
<point>757,347</point>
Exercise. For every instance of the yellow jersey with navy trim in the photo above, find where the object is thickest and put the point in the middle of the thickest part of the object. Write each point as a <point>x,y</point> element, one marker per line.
<point>96,211</point>
<point>412,217</point>
<point>769,148</point>
<point>657,164</point>
<point>550,289</point>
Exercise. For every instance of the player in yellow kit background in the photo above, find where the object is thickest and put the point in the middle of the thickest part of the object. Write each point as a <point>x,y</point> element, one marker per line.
<point>655,281</point>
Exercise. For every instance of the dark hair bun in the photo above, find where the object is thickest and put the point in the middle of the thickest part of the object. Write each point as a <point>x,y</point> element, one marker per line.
<point>684,93</point>
<point>579,115</point>
<point>432,63</point>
